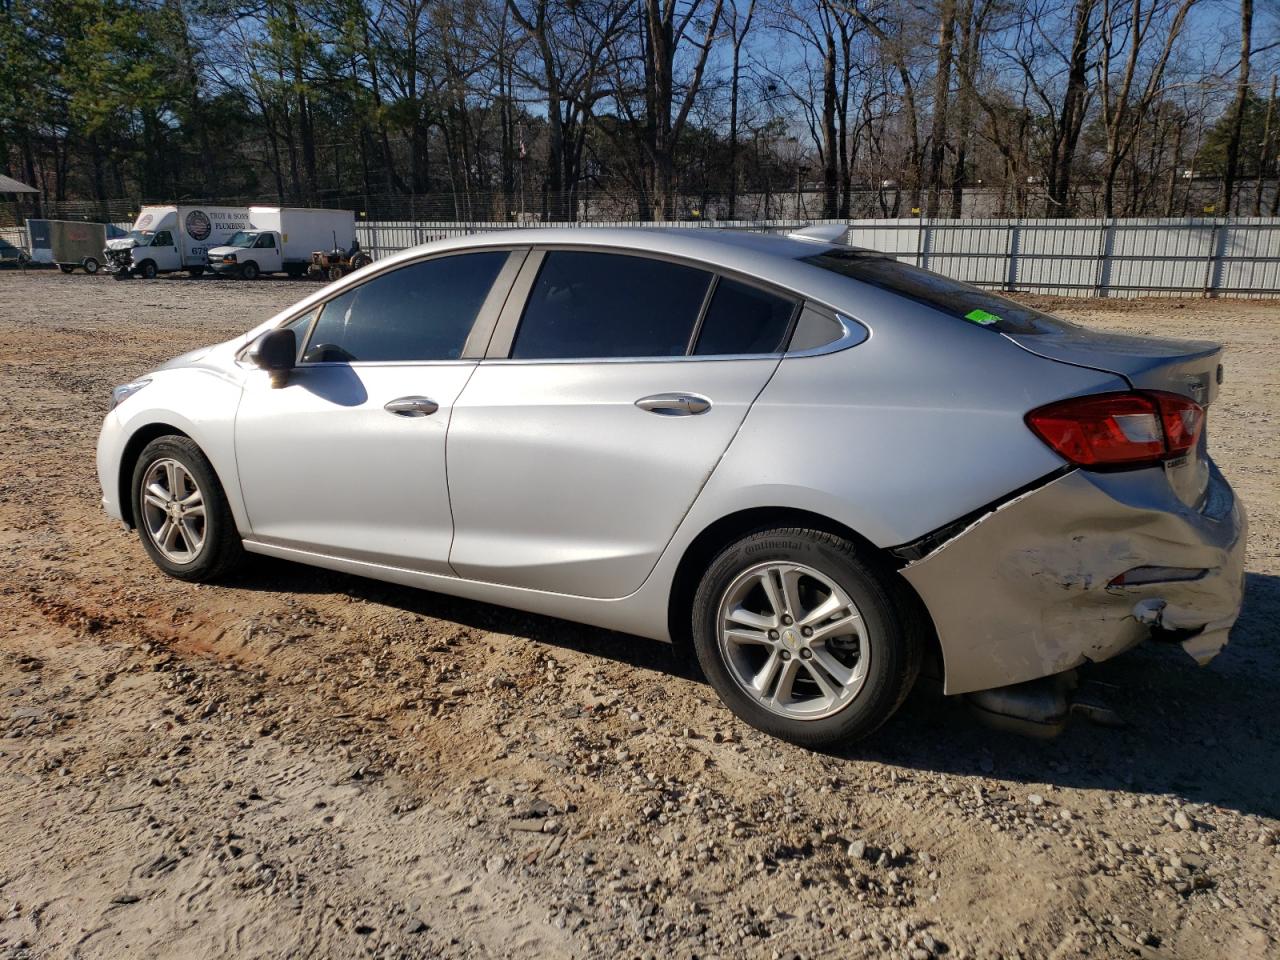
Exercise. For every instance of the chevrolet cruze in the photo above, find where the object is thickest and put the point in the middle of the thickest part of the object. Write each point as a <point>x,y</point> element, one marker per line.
<point>820,466</point>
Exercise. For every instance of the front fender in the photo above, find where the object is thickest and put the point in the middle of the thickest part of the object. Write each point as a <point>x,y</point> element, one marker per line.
<point>198,401</point>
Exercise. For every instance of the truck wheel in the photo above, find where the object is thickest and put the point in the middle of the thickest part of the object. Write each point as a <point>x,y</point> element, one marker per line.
<point>194,271</point>
<point>335,273</point>
<point>65,267</point>
<point>249,271</point>
<point>90,265</point>
<point>360,260</point>
<point>148,270</point>
<point>121,275</point>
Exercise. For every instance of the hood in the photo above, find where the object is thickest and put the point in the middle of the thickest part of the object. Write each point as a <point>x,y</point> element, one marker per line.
<point>190,358</point>
<point>122,243</point>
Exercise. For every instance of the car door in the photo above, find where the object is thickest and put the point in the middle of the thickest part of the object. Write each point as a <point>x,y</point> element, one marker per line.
<point>612,388</point>
<point>164,251</point>
<point>267,253</point>
<point>347,459</point>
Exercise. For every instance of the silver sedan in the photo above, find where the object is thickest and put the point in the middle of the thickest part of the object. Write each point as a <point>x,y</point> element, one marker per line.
<point>824,469</point>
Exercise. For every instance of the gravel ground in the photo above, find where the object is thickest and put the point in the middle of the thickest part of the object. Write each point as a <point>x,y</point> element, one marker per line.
<point>308,764</point>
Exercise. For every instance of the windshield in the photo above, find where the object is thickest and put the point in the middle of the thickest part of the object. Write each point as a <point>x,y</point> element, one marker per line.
<point>960,300</point>
<point>241,238</point>
<point>141,237</point>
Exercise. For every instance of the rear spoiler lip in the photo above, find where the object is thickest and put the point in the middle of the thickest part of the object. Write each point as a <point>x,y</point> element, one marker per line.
<point>1141,371</point>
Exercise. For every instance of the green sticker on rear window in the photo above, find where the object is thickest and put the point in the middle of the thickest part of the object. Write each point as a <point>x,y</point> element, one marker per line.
<point>982,317</point>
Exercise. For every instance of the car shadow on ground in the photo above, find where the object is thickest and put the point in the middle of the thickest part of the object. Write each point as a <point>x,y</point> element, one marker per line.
<point>1206,734</point>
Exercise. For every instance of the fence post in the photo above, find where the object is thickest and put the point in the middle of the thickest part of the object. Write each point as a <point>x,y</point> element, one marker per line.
<point>1102,277</point>
<point>1211,265</point>
<point>1014,241</point>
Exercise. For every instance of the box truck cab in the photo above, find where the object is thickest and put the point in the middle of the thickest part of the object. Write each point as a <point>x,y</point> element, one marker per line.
<point>282,240</point>
<point>165,239</point>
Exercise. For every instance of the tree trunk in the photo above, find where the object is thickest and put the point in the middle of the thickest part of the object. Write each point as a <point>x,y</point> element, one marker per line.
<point>1238,108</point>
<point>941,97</point>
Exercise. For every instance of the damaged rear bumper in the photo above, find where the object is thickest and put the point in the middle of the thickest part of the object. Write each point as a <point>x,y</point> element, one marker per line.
<point>1027,590</point>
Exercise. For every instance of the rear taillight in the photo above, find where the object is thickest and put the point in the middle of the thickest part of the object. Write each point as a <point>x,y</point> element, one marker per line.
<point>1119,429</point>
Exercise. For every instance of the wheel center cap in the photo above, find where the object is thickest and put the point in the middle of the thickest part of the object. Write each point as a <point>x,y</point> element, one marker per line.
<point>789,638</point>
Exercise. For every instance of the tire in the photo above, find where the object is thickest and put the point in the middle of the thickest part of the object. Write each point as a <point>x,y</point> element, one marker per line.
<point>335,273</point>
<point>295,272</point>
<point>360,260</point>
<point>120,275</point>
<point>195,271</point>
<point>249,271</point>
<point>65,267</point>
<point>218,550</point>
<point>148,270</point>
<point>91,266</point>
<point>878,657</point>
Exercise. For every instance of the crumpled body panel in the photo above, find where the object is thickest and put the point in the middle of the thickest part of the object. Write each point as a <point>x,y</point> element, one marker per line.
<point>1024,592</point>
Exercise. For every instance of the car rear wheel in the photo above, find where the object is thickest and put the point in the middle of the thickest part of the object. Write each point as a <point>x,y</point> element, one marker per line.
<point>801,636</point>
<point>65,267</point>
<point>181,512</point>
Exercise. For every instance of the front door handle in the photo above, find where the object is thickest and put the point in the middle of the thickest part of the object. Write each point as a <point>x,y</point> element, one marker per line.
<point>412,407</point>
<point>674,404</point>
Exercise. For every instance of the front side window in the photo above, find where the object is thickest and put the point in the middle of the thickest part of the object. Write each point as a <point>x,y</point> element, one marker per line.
<point>300,326</point>
<point>600,305</point>
<point>420,312</point>
<point>266,242</point>
<point>163,239</point>
<point>743,319</point>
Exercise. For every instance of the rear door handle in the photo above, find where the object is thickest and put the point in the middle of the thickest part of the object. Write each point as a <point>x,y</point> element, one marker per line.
<point>674,404</point>
<point>412,407</point>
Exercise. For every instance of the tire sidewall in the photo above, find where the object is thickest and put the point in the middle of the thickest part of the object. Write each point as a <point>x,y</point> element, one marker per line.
<point>888,640</point>
<point>249,271</point>
<point>148,270</point>
<point>188,454</point>
<point>91,266</point>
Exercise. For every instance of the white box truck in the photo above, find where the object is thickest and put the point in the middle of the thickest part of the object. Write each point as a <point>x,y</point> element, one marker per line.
<point>282,240</point>
<point>165,239</point>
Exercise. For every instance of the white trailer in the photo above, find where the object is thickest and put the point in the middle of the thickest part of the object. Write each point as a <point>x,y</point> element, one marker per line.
<point>282,240</point>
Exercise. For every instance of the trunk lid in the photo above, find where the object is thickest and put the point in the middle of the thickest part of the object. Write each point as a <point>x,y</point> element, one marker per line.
<point>1190,368</point>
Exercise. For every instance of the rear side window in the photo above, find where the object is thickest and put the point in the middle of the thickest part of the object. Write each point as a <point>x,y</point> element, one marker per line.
<point>597,305</point>
<point>960,300</point>
<point>743,319</point>
<point>420,312</point>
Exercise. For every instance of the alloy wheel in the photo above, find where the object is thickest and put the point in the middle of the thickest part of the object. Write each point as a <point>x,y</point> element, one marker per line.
<point>793,640</point>
<point>173,511</point>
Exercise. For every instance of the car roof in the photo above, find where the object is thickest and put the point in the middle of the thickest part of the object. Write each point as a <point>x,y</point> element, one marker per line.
<point>713,245</point>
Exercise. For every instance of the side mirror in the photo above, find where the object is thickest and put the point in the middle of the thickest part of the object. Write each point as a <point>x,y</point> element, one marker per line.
<point>276,352</point>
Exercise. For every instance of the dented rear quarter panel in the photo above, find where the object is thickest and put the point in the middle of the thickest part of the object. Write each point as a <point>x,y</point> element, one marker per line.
<point>1023,592</point>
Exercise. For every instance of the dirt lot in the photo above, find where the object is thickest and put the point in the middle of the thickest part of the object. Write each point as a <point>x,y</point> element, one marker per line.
<point>301,763</point>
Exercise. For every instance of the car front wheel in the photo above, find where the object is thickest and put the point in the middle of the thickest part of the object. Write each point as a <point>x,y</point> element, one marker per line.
<point>801,636</point>
<point>181,512</point>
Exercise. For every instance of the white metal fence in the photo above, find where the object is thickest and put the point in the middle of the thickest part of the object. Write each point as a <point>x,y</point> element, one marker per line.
<point>1235,257</point>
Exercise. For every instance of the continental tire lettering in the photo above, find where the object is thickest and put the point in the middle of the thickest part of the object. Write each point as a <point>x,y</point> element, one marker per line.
<point>755,548</point>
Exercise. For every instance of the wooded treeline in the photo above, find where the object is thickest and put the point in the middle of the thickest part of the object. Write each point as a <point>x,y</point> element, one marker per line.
<point>558,109</point>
